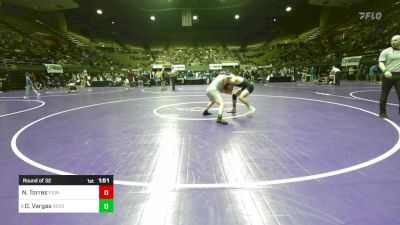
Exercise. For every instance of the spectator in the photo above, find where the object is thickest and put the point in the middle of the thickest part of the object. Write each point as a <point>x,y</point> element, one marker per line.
<point>29,86</point>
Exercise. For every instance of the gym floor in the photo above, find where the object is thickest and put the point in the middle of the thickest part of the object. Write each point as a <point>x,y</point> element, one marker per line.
<point>309,155</point>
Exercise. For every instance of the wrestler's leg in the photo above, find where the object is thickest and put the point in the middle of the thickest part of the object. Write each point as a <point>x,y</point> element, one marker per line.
<point>234,100</point>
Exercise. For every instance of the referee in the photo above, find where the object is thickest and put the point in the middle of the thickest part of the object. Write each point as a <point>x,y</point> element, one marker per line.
<point>389,63</point>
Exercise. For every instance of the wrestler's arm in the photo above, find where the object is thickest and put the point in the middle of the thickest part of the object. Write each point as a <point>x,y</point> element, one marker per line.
<point>227,89</point>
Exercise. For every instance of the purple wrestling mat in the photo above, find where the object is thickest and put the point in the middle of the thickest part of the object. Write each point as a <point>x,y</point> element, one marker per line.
<point>309,155</point>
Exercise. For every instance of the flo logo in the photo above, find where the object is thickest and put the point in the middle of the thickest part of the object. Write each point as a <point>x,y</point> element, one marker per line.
<point>370,15</point>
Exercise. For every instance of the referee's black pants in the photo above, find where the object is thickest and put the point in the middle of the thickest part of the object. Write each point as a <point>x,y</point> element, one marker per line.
<point>338,77</point>
<point>387,84</point>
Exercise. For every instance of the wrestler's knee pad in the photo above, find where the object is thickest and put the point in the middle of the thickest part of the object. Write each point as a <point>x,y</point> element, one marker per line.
<point>234,97</point>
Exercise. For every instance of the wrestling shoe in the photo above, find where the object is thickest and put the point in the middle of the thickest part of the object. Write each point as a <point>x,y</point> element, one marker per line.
<point>206,113</point>
<point>251,110</point>
<point>383,115</point>
<point>221,121</point>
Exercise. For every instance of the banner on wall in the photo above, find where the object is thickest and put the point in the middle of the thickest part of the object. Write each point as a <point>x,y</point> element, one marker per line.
<point>265,66</point>
<point>54,68</point>
<point>156,66</point>
<point>215,66</point>
<point>230,64</point>
<point>179,67</point>
<point>351,61</point>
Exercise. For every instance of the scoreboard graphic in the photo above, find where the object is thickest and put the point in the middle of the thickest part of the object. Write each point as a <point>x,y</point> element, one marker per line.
<point>66,194</point>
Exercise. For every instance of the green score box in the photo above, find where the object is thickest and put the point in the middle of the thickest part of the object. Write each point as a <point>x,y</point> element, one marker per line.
<point>106,205</point>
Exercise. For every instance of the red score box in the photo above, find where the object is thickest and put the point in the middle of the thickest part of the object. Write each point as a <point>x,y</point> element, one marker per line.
<point>106,191</point>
